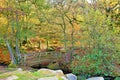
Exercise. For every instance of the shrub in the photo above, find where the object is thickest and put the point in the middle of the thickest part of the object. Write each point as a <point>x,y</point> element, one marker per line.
<point>117,78</point>
<point>93,64</point>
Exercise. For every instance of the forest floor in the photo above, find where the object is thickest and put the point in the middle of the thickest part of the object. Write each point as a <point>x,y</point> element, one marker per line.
<point>3,69</point>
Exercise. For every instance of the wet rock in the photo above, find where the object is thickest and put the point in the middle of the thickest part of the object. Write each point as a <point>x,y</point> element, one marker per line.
<point>96,78</point>
<point>71,76</point>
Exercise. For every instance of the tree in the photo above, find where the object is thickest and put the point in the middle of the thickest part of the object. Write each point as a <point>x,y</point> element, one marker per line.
<point>14,26</point>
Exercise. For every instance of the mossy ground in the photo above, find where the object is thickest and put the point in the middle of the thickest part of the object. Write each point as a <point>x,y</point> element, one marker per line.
<point>25,75</point>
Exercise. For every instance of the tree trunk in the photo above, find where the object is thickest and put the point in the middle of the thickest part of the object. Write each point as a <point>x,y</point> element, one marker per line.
<point>64,29</point>
<point>13,60</point>
<point>17,51</point>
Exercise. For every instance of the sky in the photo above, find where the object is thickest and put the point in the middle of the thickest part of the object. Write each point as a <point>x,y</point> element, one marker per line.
<point>89,1</point>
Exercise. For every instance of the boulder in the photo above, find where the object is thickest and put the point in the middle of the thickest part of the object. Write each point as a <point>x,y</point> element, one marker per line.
<point>64,78</point>
<point>71,76</point>
<point>59,73</point>
<point>49,78</point>
<point>96,78</point>
<point>19,69</point>
<point>53,78</point>
<point>51,72</point>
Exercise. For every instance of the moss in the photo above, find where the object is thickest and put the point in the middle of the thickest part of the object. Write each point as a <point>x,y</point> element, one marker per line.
<point>53,66</point>
<point>12,65</point>
<point>60,78</point>
<point>4,76</point>
<point>26,76</point>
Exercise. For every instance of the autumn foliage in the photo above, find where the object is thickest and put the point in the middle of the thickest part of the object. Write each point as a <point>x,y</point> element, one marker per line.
<point>4,56</point>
